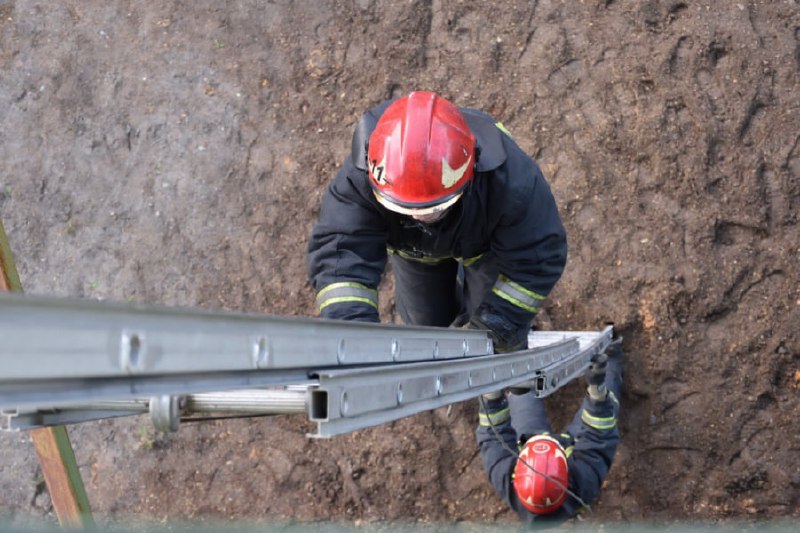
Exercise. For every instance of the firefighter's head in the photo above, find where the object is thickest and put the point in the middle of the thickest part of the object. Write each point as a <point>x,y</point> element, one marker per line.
<point>421,156</point>
<point>541,475</point>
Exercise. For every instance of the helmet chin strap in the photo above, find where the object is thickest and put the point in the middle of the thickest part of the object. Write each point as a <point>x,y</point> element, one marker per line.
<point>528,465</point>
<point>471,184</point>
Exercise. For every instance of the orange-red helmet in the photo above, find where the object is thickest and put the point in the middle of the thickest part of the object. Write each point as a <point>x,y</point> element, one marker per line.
<point>541,454</point>
<point>421,155</point>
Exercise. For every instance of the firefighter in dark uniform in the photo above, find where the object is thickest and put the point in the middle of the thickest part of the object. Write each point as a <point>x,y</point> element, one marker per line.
<point>466,217</point>
<point>547,477</point>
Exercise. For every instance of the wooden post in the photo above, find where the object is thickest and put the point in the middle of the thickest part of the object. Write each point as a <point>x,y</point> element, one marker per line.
<point>52,444</point>
<point>9,279</point>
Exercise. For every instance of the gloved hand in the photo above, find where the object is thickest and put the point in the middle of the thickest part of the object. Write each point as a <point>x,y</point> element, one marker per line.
<point>595,377</point>
<point>506,337</point>
<point>596,373</point>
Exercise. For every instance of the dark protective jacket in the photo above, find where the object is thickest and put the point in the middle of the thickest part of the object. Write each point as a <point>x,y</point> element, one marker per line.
<point>507,214</point>
<point>590,452</point>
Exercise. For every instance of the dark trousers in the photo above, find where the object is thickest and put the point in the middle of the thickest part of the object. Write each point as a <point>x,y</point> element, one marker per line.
<point>528,415</point>
<point>440,294</point>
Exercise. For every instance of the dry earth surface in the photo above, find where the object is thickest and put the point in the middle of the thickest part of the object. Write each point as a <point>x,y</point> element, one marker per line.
<point>175,153</point>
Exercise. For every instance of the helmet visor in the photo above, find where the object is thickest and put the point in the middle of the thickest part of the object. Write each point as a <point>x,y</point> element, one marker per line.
<point>416,211</point>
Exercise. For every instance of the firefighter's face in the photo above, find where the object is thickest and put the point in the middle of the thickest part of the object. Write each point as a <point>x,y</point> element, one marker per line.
<point>431,217</point>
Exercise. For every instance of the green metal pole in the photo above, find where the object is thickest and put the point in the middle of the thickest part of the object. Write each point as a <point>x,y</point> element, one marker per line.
<point>52,444</point>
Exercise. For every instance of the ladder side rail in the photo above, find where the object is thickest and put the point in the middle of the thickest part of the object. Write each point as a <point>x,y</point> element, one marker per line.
<point>352,399</point>
<point>46,337</point>
<point>244,402</point>
<point>53,393</point>
<point>12,421</point>
<point>555,376</point>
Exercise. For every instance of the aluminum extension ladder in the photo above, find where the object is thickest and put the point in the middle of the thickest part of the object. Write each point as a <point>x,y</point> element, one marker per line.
<point>64,361</point>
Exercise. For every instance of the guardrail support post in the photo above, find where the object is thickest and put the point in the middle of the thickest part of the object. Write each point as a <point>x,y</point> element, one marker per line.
<point>52,444</point>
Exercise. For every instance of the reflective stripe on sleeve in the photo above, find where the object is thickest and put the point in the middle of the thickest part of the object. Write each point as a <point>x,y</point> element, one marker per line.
<point>492,419</point>
<point>502,128</point>
<point>597,422</point>
<point>346,291</point>
<point>517,294</point>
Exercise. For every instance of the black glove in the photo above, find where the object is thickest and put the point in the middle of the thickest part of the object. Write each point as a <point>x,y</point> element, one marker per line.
<point>506,337</point>
<point>596,373</point>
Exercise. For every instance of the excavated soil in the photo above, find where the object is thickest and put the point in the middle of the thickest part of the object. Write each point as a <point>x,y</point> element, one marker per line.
<point>175,153</point>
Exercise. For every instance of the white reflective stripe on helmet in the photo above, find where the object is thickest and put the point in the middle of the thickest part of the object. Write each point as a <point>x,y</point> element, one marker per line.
<point>415,211</point>
<point>346,292</point>
<point>517,294</point>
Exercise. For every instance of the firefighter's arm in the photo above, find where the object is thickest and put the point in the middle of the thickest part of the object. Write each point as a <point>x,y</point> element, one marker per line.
<point>347,250</point>
<point>530,244</point>
<point>598,436</point>
<point>496,438</point>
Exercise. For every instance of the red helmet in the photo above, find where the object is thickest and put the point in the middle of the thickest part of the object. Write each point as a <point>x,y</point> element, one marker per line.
<point>421,155</point>
<point>542,454</point>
